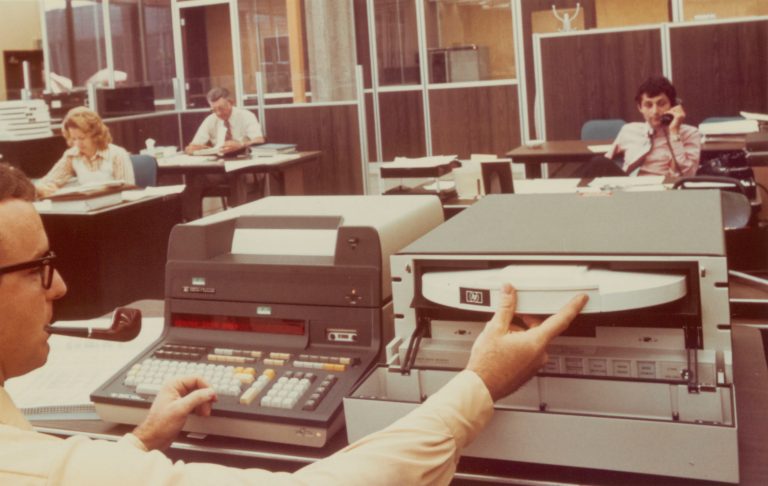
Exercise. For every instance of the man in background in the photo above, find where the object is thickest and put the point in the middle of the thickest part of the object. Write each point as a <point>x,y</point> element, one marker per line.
<point>229,130</point>
<point>661,145</point>
<point>228,127</point>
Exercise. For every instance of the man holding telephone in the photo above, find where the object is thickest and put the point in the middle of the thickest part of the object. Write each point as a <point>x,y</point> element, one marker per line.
<point>662,145</point>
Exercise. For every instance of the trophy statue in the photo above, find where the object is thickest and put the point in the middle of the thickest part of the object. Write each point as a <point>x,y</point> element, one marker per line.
<point>566,18</point>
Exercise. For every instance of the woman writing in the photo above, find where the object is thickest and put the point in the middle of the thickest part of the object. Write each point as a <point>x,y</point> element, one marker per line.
<point>92,158</point>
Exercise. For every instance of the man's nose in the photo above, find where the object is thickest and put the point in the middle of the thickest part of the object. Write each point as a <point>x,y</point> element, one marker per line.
<point>58,286</point>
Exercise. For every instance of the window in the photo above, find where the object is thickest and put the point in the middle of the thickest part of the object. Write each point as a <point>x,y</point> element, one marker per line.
<point>469,40</point>
<point>76,45</point>
<point>397,44</point>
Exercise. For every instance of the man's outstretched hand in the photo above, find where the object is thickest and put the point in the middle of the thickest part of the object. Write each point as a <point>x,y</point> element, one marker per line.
<point>505,356</point>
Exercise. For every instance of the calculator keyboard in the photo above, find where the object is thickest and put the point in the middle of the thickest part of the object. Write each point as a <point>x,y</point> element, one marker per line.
<point>275,380</point>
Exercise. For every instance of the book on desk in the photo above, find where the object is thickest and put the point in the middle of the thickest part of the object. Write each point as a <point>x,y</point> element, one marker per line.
<point>273,148</point>
<point>87,197</point>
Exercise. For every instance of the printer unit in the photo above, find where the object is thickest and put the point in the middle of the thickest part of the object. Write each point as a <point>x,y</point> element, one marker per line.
<point>641,381</point>
<point>282,305</point>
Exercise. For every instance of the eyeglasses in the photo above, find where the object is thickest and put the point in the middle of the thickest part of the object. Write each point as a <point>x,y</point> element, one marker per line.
<point>45,264</point>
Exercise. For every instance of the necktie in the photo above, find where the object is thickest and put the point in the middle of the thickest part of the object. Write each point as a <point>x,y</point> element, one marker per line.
<point>228,128</point>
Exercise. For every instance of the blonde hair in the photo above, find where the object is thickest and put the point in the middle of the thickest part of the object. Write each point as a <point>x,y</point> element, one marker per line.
<point>89,123</point>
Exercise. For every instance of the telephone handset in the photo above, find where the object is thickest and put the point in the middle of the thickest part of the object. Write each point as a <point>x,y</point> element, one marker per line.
<point>667,118</point>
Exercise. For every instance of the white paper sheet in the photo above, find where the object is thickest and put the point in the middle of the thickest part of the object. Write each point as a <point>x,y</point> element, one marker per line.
<point>136,194</point>
<point>184,159</point>
<point>257,160</point>
<point>419,163</point>
<point>75,368</point>
<point>600,149</point>
<point>546,186</point>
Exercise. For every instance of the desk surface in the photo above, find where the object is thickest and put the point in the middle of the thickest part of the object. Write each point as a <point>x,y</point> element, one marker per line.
<point>217,166</point>
<point>577,152</point>
<point>750,376</point>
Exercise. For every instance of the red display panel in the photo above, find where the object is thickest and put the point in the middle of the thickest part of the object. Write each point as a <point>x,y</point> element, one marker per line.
<point>262,325</point>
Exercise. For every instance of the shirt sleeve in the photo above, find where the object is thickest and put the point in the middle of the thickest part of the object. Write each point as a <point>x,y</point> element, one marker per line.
<point>122,167</point>
<point>687,150</point>
<point>421,448</point>
<point>253,128</point>
<point>61,172</point>
<point>204,134</point>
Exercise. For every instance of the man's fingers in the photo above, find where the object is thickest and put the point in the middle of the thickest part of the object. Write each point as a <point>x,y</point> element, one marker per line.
<point>557,323</point>
<point>530,320</point>
<point>198,400</point>
<point>189,383</point>
<point>506,309</point>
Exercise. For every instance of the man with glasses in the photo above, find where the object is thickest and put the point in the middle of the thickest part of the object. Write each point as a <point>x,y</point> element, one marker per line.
<point>229,129</point>
<point>421,448</point>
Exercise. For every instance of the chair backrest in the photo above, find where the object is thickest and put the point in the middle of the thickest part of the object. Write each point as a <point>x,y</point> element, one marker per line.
<point>601,129</point>
<point>144,170</point>
<point>737,210</point>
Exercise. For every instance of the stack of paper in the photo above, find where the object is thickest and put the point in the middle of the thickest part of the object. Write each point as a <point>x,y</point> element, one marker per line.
<point>274,148</point>
<point>24,120</point>
<point>727,131</point>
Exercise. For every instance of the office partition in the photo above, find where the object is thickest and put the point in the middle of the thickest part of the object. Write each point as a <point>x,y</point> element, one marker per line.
<point>592,74</point>
<point>720,68</point>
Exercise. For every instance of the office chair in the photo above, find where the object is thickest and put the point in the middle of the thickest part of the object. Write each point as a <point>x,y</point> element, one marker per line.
<point>744,238</point>
<point>737,210</point>
<point>220,191</point>
<point>144,170</point>
<point>601,129</point>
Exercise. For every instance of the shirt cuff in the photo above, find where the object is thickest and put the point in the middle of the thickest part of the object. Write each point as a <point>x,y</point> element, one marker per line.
<point>467,404</point>
<point>133,441</point>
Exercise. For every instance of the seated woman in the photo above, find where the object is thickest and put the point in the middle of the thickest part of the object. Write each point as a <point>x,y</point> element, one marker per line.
<point>91,157</point>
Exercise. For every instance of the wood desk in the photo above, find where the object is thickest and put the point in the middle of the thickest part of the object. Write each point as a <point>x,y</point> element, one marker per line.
<point>288,174</point>
<point>577,152</point>
<point>750,376</point>
<point>34,157</point>
<point>111,256</point>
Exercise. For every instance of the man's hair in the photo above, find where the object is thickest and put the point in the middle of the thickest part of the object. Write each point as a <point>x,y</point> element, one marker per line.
<point>216,94</point>
<point>88,122</point>
<point>654,86</point>
<point>14,184</point>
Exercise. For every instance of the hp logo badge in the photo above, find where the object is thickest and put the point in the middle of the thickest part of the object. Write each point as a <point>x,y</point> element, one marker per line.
<point>479,297</point>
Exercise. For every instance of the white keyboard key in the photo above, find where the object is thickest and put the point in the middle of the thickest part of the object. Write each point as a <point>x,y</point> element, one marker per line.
<point>148,388</point>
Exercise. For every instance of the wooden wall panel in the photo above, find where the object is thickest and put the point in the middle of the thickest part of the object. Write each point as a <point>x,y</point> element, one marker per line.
<point>132,134</point>
<point>720,69</point>
<point>595,76</point>
<point>331,129</point>
<point>190,122</point>
<point>479,120</point>
<point>529,7</point>
<point>402,124</point>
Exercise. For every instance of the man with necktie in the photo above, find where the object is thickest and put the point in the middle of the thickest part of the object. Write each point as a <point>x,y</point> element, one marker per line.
<point>230,129</point>
<point>660,145</point>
